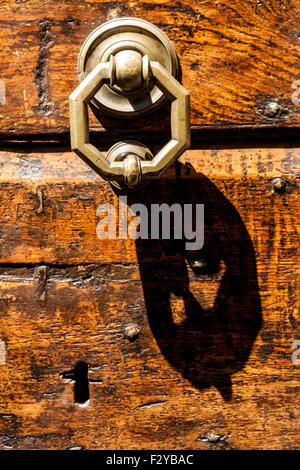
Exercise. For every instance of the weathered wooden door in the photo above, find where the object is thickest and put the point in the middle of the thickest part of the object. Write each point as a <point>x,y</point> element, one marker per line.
<point>124,344</point>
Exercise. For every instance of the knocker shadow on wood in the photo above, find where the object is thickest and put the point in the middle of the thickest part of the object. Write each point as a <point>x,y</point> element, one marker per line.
<point>203,306</point>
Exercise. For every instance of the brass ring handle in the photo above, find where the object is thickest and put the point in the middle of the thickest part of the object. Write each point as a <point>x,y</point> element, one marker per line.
<point>128,163</point>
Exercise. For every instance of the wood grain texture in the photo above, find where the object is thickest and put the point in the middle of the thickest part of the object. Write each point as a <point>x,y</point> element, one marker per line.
<point>214,343</point>
<point>138,399</point>
<point>236,57</point>
<point>49,201</point>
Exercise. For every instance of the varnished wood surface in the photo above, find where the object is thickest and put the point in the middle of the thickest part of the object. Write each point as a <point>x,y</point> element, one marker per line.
<point>49,200</point>
<point>236,58</point>
<point>212,346</point>
<point>177,349</point>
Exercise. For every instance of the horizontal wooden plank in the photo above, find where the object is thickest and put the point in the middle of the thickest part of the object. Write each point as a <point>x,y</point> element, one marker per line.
<point>206,369</point>
<point>236,58</point>
<point>49,202</point>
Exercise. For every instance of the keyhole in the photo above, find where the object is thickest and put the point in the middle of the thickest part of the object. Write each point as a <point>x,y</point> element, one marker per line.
<point>79,377</point>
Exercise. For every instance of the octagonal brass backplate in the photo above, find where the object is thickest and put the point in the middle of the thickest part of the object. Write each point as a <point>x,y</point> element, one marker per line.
<point>127,34</point>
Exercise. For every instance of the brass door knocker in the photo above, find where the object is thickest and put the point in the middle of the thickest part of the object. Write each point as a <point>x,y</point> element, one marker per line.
<point>127,67</point>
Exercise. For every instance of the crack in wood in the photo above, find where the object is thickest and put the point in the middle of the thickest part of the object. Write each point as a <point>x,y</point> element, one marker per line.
<point>45,106</point>
<point>150,405</point>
